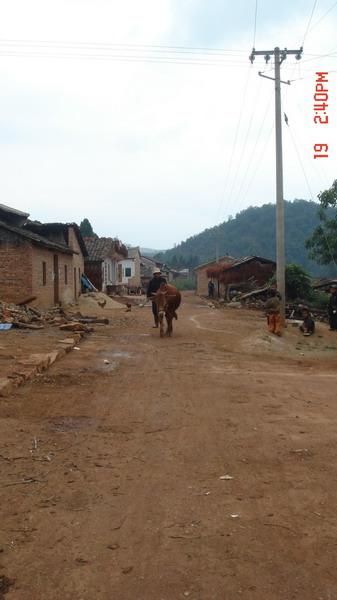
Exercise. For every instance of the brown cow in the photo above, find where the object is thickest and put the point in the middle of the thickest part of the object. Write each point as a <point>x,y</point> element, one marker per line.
<point>167,299</point>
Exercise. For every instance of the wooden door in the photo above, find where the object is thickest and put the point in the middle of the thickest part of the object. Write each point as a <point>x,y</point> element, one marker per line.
<point>56,280</point>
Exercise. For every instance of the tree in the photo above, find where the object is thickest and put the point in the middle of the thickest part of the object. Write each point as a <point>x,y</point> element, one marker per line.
<point>298,283</point>
<point>86,229</point>
<point>322,244</point>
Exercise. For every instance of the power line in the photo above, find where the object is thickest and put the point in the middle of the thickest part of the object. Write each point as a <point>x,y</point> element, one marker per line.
<point>309,190</point>
<point>235,141</point>
<point>126,58</point>
<point>259,162</point>
<point>121,52</point>
<point>244,145</point>
<point>323,16</point>
<point>309,22</point>
<point>255,21</point>
<point>250,163</point>
<point>119,46</point>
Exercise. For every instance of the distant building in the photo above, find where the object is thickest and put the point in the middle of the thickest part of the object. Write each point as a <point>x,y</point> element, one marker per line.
<point>242,274</point>
<point>129,270</point>
<point>147,266</point>
<point>44,261</point>
<point>102,265</point>
<point>325,284</point>
<point>202,276</point>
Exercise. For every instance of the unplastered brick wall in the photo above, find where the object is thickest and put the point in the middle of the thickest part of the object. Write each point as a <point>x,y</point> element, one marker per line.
<point>44,289</point>
<point>15,267</point>
<point>202,282</point>
<point>78,260</point>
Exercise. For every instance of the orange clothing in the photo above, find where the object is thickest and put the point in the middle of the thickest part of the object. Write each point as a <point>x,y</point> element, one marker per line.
<point>274,323</point>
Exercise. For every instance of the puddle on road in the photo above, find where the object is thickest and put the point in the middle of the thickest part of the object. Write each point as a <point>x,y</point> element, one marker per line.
<point>112,357</point>
<point>65,424</point>
<point>120,354</point>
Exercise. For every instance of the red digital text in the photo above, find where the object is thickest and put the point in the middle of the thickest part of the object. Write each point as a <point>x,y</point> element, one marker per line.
<point>320,106</point>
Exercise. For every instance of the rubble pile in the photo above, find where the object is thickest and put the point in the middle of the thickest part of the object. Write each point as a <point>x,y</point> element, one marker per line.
<point>257,298</point>
<point>25,317</point>
<point>32,318</point>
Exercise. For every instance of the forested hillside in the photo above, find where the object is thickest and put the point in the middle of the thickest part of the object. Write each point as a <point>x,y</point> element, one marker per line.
<point>253,232</point>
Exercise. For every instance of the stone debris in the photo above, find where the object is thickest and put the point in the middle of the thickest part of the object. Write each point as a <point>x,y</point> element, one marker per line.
<point>28,317</point>
<point>24,316</point>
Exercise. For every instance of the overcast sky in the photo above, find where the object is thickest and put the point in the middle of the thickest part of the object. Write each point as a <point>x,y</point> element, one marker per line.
<point>99,119</point>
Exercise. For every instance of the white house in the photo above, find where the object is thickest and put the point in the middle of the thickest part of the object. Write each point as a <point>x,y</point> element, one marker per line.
<point>129,269</point>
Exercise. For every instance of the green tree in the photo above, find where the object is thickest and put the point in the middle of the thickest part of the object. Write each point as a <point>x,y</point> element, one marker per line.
<point>298,283</point>
<point>252,232</point>
<point>86,229</point>
<point>322,244</point>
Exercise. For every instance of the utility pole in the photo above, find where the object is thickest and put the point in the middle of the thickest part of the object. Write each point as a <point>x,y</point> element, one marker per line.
<point>279,57</point>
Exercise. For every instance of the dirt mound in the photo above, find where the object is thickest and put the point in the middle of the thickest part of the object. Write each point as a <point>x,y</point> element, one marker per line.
<point>97,301</point>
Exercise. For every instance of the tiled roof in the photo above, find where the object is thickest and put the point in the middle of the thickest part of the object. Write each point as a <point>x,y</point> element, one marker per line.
<point>14,211</point>
<point>101,248</point>
<point>215,261</point>
<point>45,228</point>
<point>37,239</point>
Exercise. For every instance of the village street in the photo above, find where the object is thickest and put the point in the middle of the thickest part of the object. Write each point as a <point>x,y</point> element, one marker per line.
<point>111,473</point>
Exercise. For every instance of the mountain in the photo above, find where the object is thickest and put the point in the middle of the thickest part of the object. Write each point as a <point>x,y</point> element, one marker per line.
<point>150,252</point>
<point>252,232</point>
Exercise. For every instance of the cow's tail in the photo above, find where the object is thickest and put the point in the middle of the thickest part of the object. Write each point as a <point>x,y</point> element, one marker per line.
<point>175,316</point>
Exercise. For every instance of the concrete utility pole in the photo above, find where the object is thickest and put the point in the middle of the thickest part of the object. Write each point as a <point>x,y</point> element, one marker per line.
<point>279,57</point>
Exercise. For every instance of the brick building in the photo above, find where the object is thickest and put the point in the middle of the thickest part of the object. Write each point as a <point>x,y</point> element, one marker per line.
<point>202,276</point>
<point>38,260</point>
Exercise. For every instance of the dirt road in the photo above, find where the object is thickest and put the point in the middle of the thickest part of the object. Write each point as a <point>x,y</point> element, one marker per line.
<point>111,482</point>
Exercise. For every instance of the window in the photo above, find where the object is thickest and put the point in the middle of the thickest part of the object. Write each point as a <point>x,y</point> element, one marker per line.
<point>44,273</point>
<point>127,271</point>
<point>65,274</point>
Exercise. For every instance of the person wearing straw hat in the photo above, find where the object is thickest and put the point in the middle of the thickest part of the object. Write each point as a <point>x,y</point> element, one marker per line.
<point>153,287</point>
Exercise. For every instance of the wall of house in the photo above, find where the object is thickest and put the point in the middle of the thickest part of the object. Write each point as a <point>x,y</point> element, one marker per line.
<point>134,264</point>
<point>109,272</point>
<point>45,291</point>
<point>15,267</point>
<point>78,260</point>
<point>202,281</point>
<point>93,270</point>
<point>127,263</point>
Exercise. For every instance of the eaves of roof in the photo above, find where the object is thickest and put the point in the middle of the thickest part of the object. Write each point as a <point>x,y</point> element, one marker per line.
<point>215,261</point>
<point>45,227</point>
<point>36,239</point>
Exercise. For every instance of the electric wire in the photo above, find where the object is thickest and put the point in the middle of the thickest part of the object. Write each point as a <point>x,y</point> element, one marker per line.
<point>330,54</point>
<point>323,17</point>
<point>110,45</point>
<point>255,22</point>
<point>309,22</point>
<point>259,163</point>
<point>309,190</point>
<point>251,163</point>
<point>127,59</point>
<point>235,140</point>
<point>121,52</point>
<point>243,148</point>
